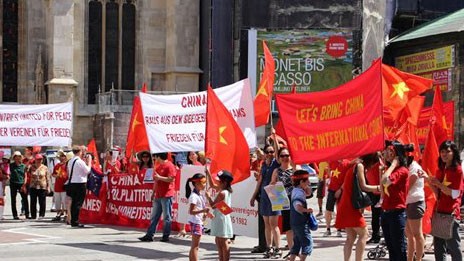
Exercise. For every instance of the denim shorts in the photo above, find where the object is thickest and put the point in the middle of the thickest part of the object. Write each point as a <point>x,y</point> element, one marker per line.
<point>302,240</point>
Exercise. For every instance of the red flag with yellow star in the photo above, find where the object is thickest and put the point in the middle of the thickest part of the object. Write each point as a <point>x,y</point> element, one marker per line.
<point>223,207</point>
<point>438,118</point>
<point>399,87</point>
<point>430,166</point>
<point>137,139</point>
<point>262,102</point>
<point>225,144</point>
<point>92,147</point>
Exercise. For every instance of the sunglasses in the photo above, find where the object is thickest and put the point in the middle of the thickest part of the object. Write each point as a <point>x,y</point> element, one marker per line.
<point>145,156</point>
<point>270,152</point>
<point>284,156</point>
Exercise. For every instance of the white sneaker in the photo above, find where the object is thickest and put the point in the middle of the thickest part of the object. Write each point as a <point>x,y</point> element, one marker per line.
<point>339,234</point>
<point>327,233</point>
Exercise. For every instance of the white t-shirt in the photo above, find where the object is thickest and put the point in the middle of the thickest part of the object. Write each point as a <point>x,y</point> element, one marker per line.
<point>200,203</point>
<point>416,192</point>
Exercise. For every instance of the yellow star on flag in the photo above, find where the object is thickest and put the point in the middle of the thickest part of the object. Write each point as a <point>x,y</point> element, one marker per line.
<point>58,172</point>
<point>335,173</point>
<point>223,209</point>
<point>135,122</point>
<point>221,139</point>
<point>385,189</point>
<point>445,182</point>
<point>262,88</point>
<point>400,89</point>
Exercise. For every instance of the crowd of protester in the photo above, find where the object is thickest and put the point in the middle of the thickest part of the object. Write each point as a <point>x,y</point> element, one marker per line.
<point>392,178</point>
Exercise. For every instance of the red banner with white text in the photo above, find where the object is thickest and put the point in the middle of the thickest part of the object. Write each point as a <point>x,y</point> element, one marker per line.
<point>124,200</point>
<point>343,122</point>
<point>423,123</point>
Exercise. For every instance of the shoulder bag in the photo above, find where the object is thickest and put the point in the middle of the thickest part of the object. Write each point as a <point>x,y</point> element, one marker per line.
<point>66,186</point>
<point>442,224</point>
<point>359,198</point>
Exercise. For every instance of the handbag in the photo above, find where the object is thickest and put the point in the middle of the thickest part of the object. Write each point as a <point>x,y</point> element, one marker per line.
<point>359,198</point>
<point>312,222</point>
<point>66,186</point>
<point>442,224</point>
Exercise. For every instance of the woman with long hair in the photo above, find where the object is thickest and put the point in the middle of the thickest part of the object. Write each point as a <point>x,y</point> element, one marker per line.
<point>395,180</point>
<point>145,160</point>
<point>415,207</point>
<point>192,158</point>
<point>448,186</point>
<point>351,219</point>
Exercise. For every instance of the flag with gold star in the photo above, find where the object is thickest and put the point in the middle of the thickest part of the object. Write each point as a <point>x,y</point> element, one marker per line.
<point>262,102</point>
<point>92,148</point>
<point>399,87</point>
<point>225,144</point>
<point>223,207</point>
<point>137,139</point>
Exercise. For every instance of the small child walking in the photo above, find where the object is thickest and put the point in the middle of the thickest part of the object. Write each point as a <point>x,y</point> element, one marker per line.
<point>197,211</point>
<point>299,217</point>
<point>221,225</point>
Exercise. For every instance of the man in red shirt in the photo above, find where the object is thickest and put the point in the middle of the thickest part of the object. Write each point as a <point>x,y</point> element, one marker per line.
<point>164,190</point>
<point>338,170</point>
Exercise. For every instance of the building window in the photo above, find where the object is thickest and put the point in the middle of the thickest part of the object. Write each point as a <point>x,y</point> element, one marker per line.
<point>10,51</point>
<point>112,36</point>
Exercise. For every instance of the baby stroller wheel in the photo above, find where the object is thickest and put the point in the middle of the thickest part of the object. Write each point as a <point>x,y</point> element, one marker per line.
<point>383,253</point>
<point>371,255</point>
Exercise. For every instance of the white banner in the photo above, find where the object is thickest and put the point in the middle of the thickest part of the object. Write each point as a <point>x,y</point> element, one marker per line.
<point>36,125</point>
<point>177,122</point>
<point>244,218</point>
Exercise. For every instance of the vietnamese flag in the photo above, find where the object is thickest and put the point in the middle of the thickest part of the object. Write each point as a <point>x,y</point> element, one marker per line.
<point>438,118</point>
<point>137,139</point>
<point>399,87</point>
<point>225,144</point>
<point>262,102</point>
<point>223,207</point>
<point>92,147</point>
<point>430,166</point>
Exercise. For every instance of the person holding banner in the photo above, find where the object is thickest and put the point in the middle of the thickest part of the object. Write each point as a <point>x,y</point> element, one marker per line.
<point>164,191</point>
<point>221,225</point>
<point>18,180</point>
<point>197,210</point>
<point>39,186</point>
<point>351,219</point>
<point>271,218</point>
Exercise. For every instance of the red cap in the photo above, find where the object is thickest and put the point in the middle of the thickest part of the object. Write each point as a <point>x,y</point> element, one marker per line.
<point>38,157</point>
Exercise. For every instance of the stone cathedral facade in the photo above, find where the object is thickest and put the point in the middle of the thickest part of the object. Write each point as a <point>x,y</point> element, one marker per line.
<point>97,53</point>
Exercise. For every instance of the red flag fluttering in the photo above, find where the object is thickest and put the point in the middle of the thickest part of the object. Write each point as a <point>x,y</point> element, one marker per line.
<point>262,102</point>
<point>399,87</point>
<point>437,134</point>
<point>137,139</point>
<point>92,148</point>
<point>225,144</point>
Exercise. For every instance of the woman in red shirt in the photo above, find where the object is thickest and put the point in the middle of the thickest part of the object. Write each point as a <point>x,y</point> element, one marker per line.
<point>448,186</point>
<point>351,219</point>
<point>395,183</point>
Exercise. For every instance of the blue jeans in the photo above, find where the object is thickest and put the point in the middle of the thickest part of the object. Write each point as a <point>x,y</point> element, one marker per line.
<point>302,240</point>
<point>164,206</point>
<point>393,227</point>
<point>453,245</point>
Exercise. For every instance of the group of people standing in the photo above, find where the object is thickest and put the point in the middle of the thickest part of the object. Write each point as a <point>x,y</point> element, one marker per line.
<point>394,182</point>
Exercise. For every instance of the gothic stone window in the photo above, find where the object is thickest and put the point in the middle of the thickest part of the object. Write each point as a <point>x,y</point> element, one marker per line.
<point>112,37</point>
<point>10,51</point>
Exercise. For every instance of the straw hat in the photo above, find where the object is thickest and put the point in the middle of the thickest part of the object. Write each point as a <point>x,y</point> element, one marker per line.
<point>60,153</point>
<point>16,153</point>
<point>69,155</point>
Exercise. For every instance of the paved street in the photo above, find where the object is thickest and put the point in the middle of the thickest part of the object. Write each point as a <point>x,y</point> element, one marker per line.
<point>47,240</point>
